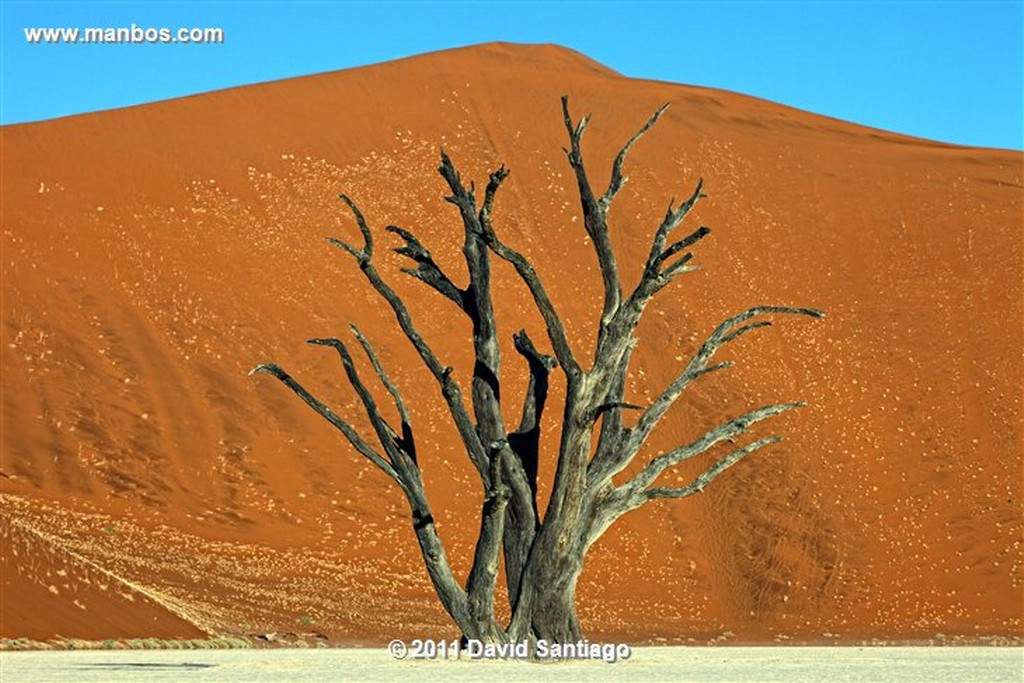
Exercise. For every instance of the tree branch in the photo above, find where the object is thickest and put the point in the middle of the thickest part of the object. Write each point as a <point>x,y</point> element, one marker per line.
<point>493,184</point>
<point>451,594</point>
<point>386,434</point>
<point>672,219</point>
<point>617,178</point>
<point>366,253</point>
<point>595,218</point>
<point>723,432</point>
<point>536,394</point>
<point>525,440</point>
<point>655,277</point>
<point>616,501</point>
<point>710,473</point>
<point>612,406</point>
<point>614,462</point>
<point>449,388</point>
<point>679,245</point>
<point>612,358</point>
<point>324,411</point>
<point>407,442</point>
<point>427,271</point>
<point>526,271</point>
<point>698,365</point>
<point>518,468</point>
<point>595,211</point>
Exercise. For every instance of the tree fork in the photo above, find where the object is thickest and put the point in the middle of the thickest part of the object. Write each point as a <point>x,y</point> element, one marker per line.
<point>544,557</point>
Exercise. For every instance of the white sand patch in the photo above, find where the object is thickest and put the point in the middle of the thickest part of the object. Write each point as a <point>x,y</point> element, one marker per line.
<point>693,665</point>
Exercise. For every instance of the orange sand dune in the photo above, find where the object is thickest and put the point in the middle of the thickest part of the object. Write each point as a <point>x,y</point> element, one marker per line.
<point>153,255</point>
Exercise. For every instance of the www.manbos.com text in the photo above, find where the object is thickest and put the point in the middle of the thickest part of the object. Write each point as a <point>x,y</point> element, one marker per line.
<point>123,35</point>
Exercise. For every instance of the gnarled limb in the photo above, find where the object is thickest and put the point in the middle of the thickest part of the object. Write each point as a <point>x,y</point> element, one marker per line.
<point>698,365</point>
<point>613,406</point>
<point>656,274</point>
<point>594,216</point>
<point>479,307</point>
<point>617,501</point>
<point>617,179</point>
<point>366,253</point>
<point>518,467</point>
<point>486,558</point>
<point>427,271</point>
<point>618,322</point>
<point>325,412</point>
<point>402,469</point>
<point>595,211</point>
<point>710,473</point>
<point>612,355</point>
<point>386,434</point>
<point>449,388</point>
<point>526,439</point>
<point>552,322</point>
<point>382,375</point>
<point>399,447</point>
<point>725,431</point>
<point>728,331</point>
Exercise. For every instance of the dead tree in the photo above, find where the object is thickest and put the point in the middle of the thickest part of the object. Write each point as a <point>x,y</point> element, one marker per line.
<point>543,556</point>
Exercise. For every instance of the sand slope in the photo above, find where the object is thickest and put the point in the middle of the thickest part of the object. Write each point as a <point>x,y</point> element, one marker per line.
<point>152,255</point>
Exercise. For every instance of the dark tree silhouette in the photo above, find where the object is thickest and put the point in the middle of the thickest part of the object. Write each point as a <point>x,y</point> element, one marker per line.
<point>543,556</point>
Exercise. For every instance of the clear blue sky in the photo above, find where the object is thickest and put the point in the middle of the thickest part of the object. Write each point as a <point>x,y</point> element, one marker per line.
<point>949,71</point>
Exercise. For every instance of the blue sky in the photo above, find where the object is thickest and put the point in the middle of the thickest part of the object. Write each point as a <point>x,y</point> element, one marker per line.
<point>949,71</point>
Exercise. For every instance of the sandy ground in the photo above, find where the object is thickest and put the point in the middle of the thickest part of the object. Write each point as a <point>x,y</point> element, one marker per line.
<point>689,665</point>
<point>153,255</point>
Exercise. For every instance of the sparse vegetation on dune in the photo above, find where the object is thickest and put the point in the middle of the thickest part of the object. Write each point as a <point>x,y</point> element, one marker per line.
<point>152,255</point>
<point>216,643</point>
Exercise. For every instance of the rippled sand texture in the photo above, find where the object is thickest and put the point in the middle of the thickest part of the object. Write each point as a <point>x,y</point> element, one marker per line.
<point>153,255</point>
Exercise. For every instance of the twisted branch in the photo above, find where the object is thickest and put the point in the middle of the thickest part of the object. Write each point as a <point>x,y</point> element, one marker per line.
<point>552,321</point>
<point>709,474</point>
<point>324,411</point>
<point>595,211</point>
<point>427,271</point>
<point>723,432</point>
<point>449,388</point>
<point>612,463</point>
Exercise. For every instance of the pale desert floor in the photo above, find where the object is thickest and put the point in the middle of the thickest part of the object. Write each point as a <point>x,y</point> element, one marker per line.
<point>692,665</point>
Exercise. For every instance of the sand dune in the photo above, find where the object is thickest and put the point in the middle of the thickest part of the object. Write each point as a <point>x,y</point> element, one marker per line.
<point>153,255</point>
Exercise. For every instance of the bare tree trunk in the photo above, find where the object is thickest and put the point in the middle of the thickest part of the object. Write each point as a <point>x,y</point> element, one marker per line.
<point>555,619</point>
<point>547,600</point>
<point>543,557</point>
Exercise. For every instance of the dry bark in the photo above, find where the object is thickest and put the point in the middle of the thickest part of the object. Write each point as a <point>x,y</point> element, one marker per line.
<point>543,557</point>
